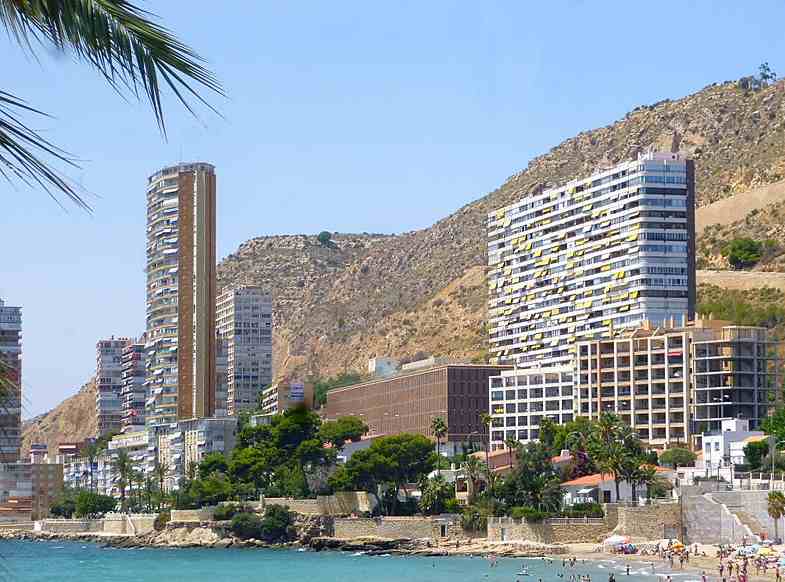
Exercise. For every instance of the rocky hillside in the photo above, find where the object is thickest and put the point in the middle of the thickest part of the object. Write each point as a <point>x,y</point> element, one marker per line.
<point>72,420</point>
<point>387,297</point>
<point>361,295</point>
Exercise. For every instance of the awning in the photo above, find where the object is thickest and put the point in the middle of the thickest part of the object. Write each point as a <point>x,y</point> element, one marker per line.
<point>586,490</point>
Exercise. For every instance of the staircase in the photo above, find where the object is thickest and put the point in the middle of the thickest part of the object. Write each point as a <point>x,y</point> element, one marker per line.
<point>749,520</point>
<point>709,522</point>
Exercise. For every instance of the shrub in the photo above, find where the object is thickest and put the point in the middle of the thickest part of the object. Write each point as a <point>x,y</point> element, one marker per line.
<point>246,526</point>
<point>743,252</point>
<point>528,514</point>
<point>472,519</point>
<point>584,510</point>
<point>161,520</point>
<point>452,506</point>
<point>225,511</point>
<point>276,523</point>
<point>91,504</point>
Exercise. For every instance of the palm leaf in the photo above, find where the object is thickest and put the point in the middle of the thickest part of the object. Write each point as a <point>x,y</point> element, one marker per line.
<point>120,40</point>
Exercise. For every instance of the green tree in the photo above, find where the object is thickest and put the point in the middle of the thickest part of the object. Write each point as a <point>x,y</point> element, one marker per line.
<point>276,523</point>
<point>439,431</point>
<point>776,509</point>
<point>754,453</point>
<point>161,471</point>
<point>246,526</point>
<point>323,385</point>
<point>534,483</point>
<point>743,253</point>
<point>90,451</point>
<point>134,54</point>
<point>211,490</point>
<point>766,74</point>
<point>123,468</point>
<point>434,495</point>
<point>65,503</point>
<point>91,504</point>
<point>512,445</point>
<point>214,462</point>
<point>677,457</point>
<point>473,468</point>
<point>611,445</point>
<point>324,238</point>
<point>346,428</point>
<point>774,425</point>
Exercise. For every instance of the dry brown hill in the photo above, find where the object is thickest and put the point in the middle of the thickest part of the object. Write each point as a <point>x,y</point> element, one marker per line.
<point>381,300</point>
<point>72,420</point>
<point>424,291</point>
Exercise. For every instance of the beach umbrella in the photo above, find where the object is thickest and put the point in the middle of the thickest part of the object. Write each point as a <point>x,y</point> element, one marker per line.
<point>616,540</point>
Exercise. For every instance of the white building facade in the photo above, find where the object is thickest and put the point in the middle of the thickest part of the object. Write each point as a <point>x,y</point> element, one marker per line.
<point>580,262</point>
<point>245,325</point>
<point>109,383</point>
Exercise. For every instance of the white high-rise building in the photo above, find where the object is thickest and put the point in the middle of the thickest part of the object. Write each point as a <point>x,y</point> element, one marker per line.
<point>596,255</point>
<point>109,383</point>
<point>11,374</point>
<point>584,261</point>
<point>245,325</point>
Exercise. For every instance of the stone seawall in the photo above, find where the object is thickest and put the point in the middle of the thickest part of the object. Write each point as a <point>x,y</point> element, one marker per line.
<point>396,527</point>
<point>507,529</point>
<point>650,522</point>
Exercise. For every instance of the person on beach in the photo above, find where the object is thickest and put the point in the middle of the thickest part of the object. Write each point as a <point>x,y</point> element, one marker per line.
<point>704,578</point>
<point>628,569</point>
<point>722,569</point>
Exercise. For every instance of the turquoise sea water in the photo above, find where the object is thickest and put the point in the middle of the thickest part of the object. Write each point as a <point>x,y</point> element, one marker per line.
<point>66,561</point>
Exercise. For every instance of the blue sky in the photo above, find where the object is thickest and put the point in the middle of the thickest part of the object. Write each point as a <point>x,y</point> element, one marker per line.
<point>344,116</point>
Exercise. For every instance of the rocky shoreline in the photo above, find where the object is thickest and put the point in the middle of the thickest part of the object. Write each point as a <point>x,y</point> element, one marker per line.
<point>219,537</point>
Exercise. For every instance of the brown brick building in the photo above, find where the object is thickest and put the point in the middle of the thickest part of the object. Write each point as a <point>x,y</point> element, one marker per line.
<point>407,402</point>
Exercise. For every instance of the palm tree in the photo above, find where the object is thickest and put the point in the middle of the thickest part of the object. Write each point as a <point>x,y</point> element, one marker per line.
<point>161,471</point>
<point>123,468</point>
<point>474,468</point>
<point>90,452</point>
<point>439,430</point>
<point>512,444</point>
<point>133,53</point>
<point>485,419</point>
<point>776,509</point>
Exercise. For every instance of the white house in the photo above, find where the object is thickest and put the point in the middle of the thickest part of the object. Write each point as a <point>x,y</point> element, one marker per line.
<point>725,447</point>
<point>601,488</point>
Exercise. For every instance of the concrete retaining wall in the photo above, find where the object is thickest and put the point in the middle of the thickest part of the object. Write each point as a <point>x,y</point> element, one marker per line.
<point>709,522</point>
<point>193,515</point>
<point>341,503</point>
<point>396,527</point>
<point>753,503</point>
<point>112,523</point>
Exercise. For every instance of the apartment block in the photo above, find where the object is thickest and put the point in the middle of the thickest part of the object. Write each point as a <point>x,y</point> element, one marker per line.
<point>11,376</point>
<point>521,398</point>
<point>47,485</point>
<point>408,401</point>
<point>645,379</point>
<point>184,444</point>
<point>245,324</point>
<point>109,383</point>
<point>281,396</point>
<point>594,256</point>
<point>181,293</point>
<point>737,372</point>
<point>132,393</point>
<point>670,384</point>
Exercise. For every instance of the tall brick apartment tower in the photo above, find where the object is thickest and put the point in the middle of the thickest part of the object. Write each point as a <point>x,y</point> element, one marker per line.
<point>180,363</point>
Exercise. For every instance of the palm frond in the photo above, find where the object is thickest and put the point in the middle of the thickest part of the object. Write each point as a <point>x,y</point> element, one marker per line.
<point>21,148</point>
<point>120,40</point>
